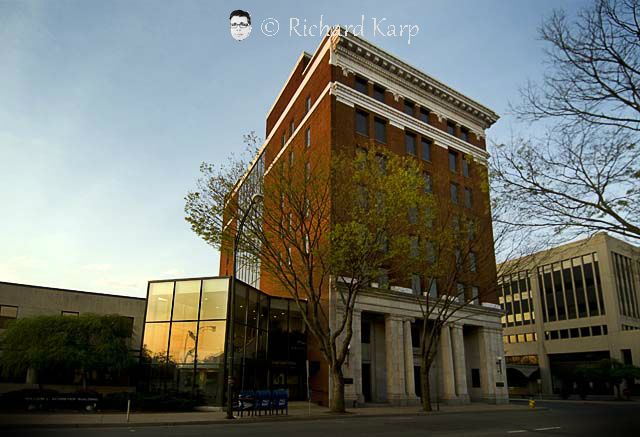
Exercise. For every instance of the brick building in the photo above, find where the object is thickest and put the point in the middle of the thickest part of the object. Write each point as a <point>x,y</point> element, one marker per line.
<point>351,94</point>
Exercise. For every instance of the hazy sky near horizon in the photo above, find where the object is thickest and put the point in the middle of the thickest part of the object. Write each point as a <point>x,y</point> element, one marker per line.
<point>107,108</point>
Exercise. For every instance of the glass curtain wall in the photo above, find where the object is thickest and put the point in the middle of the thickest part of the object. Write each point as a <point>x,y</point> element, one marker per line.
<point>185,337</point>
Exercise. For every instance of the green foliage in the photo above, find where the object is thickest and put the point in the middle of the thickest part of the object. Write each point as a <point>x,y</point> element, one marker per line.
<point>85,343</point>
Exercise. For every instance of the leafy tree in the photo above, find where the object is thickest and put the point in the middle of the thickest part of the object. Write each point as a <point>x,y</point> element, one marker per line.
<point>583,175</point>
<point>85,343</point>
<point>609,370</point>
<point>321,232</point>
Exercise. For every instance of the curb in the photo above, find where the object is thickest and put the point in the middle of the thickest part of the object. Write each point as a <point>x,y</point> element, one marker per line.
<point>262,419</point>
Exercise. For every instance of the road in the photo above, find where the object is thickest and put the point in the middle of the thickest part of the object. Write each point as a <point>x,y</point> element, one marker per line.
<point>561,419</point>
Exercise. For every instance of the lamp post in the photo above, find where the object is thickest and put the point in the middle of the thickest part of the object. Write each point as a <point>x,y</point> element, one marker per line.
<point>254,200</point>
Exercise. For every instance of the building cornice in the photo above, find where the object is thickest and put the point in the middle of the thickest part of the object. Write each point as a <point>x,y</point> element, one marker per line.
<point>422,86</point>
<point>351,97</point>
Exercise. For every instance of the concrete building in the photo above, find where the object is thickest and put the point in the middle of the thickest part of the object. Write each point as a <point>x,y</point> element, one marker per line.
<point>19,301</point>
<point>350,95</point>
<point>570,305</point>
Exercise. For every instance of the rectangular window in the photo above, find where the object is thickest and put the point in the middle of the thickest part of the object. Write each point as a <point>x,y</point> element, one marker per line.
<point>415,283</point>
<point>574,333</point>
<point>453,189</point>
<point>8,313</point>
<point>362,122</point>
<point>283,140</point>
<point>596,330</point>
<point>433,287</point>
<point>410,143</point>
<point>584,332</point>
<point>451,128</point>
<point>475,292</point>
<point>409,107</point>
<point>415,247</point>
<point>307,105</point>
<point>428,183</point>
<point>365,334</point>
<point>70,313</point>
<point>292,127</point>
<point>307,137</point>
<point>412,215</point>
<point>453,161</point>
<point>362,85</point>
<point>473,266</point>
<point>291,159</point>
<point>378,93</point>
<point>426,149</point>
<point>380,126</point>
<point>468,197</point>
<point>383,280</point>
<point>465,167</point>
<point>464,134</point>
<point>424,115</point>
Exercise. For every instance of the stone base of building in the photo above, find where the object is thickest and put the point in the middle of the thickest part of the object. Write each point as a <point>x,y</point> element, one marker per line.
<point>404,402</point>
<point>458,400</point>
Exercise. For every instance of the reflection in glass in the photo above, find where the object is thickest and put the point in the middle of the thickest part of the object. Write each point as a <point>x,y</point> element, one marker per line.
<point>253,308</point>
<point>264,311</point>
<point>185,304</point>
<point>211,344</point>
<point>159,302</point>
<point>240,303</point>
<point>278,315</point>
<point>214,299</point>
<point>156,339</point>
<point>182,347</point>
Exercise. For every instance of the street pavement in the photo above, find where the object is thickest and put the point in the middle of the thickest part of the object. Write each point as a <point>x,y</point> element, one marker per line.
<point>556,419</point>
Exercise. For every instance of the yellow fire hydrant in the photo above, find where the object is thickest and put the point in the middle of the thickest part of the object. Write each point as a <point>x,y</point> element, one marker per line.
<point>532,403</point>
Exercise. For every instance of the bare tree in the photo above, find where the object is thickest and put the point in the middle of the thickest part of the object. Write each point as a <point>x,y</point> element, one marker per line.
<point>583,175</point>
<point>593,68</point>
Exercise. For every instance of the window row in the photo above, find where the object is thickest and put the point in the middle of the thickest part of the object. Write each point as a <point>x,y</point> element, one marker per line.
<point>409,107</point>
<point>585,331</point>
<point>520,338</point>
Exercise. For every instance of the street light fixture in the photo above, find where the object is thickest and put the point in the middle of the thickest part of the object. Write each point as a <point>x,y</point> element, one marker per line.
<point>254,200</point>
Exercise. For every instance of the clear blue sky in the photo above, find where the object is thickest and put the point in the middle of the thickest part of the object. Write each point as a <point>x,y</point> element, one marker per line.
<point>108,107</point>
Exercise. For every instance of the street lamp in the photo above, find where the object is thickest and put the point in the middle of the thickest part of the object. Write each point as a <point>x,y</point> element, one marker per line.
<point>254,200</point>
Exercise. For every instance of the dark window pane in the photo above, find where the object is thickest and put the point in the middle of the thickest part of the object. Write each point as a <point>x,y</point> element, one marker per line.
<point>409,107</point>
<point>557,283</point>
<point>410,143</point>
<point>453,188</point>
<point>365,336</point>
<point>362,85</point>
<point>596,330</point>
<point>464,134</point>
<point>240,314</point>
<point>424,115</point>
<point>380,130</point>
<point>451,128</point>
<point>426,149</point>
<point>591,289</point>
<point>362,123</point>
<point>465,167</point>
<point>584,332</point>
<point>378,93</point>
<point>575,332</point>
<point>564,333</point>
<point>453,161</point>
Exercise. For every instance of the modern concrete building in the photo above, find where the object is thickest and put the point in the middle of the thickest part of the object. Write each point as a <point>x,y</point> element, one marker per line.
<point>573,304</point>
<point>350,95</point>
<point>20,301</point>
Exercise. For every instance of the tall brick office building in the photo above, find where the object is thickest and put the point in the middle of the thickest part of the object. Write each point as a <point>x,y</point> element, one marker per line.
<point>351,94</point>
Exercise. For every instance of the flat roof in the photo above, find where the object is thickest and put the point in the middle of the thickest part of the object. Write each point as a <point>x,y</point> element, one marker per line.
<point>41,287</point>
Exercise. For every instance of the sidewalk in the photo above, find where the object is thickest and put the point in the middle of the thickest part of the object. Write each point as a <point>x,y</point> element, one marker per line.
<point>297,411</point>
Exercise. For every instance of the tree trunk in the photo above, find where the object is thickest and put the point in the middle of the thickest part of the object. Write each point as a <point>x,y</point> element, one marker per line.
<point>336,403</point>
<point>425,387</point>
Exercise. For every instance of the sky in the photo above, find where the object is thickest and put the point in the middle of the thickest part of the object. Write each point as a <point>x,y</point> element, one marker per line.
<point>107,109</point>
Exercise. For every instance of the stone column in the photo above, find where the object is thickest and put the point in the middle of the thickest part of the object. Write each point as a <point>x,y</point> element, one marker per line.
<point>448,380</point>
<point>459,363</point>
<point>409,377</point>
<point>493,378</point>
<point>353,392</point>
<point>394,345</point>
